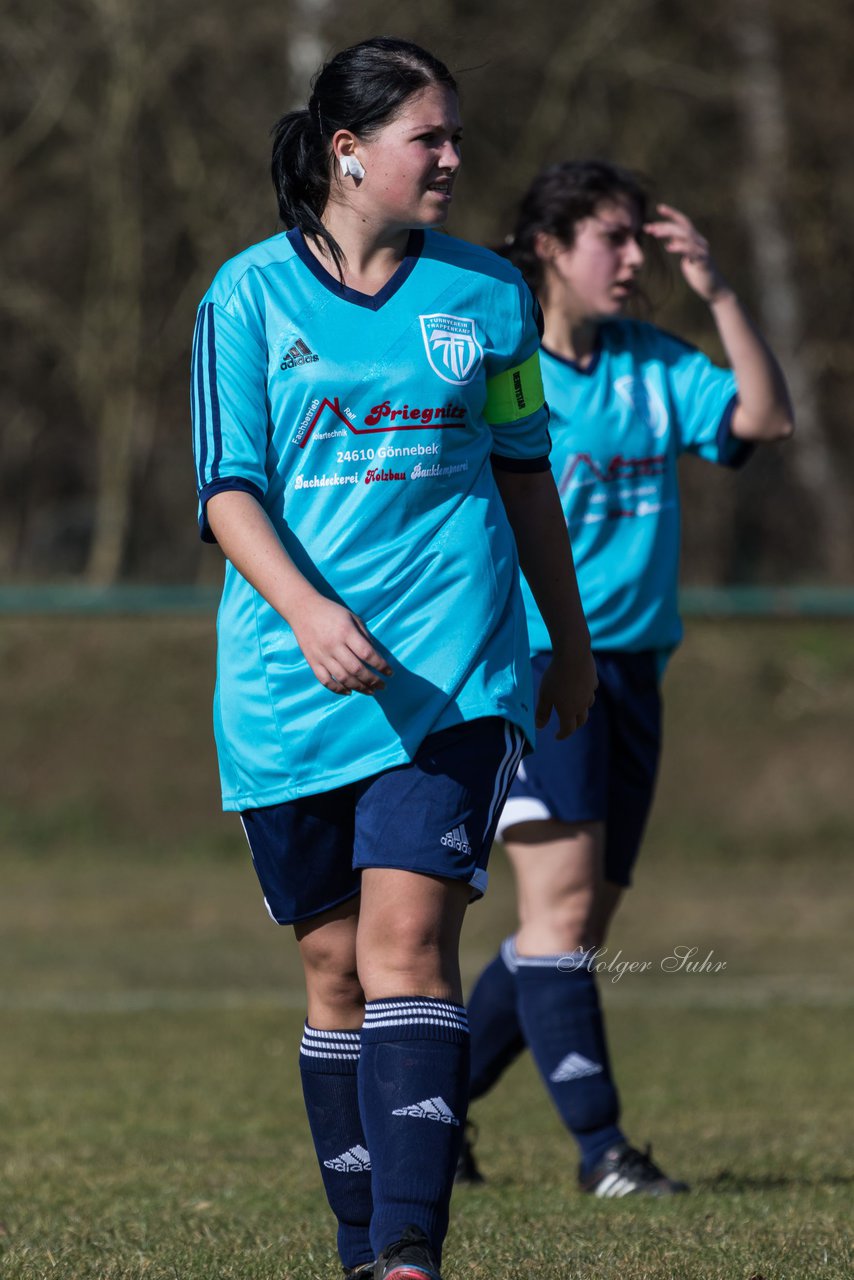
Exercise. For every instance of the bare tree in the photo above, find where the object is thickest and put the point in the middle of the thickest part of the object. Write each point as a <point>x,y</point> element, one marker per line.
<point>111,322</point>
<point>764,196</point>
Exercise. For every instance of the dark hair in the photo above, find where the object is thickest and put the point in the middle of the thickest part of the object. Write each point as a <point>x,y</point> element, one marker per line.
<point>559,198</point>
<point>362,88</point>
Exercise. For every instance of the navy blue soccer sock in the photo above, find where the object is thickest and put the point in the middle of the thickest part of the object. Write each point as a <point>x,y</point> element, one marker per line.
<point>413,1091</point>
<point>562,1020</point>
<point>329,1064</point>
<point>496,1033</point>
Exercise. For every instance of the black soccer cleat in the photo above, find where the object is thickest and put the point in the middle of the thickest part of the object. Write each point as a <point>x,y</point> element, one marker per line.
<point>410,1258</point>
<point>625,1171</point>
<point>467,1173</point>
<point>364,1271</point>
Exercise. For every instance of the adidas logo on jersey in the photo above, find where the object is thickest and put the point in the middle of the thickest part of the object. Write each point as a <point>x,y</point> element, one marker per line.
<point>457,839</point>
<point>429,1109</point>
<point>299,353</point>
<point>573,1067</point>
<point>356,1160</point>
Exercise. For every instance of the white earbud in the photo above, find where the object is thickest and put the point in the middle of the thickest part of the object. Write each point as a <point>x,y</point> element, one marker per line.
<point>351,167</point>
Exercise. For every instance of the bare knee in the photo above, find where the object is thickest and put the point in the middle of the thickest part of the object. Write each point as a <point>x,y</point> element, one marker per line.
<point>409,940</point>
<point>566,923</point>
<point>558,868</point>
<point>406,954</point>
<point>336,998</point>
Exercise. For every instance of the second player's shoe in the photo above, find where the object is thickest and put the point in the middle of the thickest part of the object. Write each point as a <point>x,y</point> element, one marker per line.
<point>625,1171</point>
<point>364,1271</point>
<point>410,1258</point>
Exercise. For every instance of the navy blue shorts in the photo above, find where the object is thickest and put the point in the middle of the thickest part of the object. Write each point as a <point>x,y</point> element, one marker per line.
<point>605,771</point>
<point>436,815</point>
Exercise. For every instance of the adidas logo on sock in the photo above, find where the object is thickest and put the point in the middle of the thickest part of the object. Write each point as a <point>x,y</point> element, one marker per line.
<point>356,1160</point>
<point>573,1067</point>
<point>429,1109</point>
<point>457,839</point>
<point>299,353</point>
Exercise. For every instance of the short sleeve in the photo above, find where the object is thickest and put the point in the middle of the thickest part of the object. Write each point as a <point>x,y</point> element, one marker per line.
<point>705,397</point>
<point>515,402</point>
<point>229,408</point>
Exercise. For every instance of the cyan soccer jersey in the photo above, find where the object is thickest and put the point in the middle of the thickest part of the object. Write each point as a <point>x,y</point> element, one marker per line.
<point>618,428</point>
<point>367,427</point>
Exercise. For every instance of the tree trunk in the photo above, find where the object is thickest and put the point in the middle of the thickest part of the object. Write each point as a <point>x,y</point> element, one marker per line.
<point>763,197</point>
<point>108,360</point>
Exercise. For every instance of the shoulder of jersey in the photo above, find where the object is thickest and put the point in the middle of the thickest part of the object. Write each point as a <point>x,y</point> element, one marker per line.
<point>258,258</point>
<point>471,257</point>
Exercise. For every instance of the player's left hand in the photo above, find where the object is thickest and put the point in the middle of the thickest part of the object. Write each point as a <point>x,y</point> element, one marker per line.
<point>679,236</point>
<point>569,686</point>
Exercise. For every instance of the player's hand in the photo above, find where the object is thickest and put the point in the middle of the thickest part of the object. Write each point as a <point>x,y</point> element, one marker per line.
<point>339,648</point>
<point>679,236</point>
<point>569,687</point>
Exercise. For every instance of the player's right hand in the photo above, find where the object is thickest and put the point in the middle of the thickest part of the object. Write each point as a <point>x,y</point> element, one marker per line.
<point>680,237</point>
<point>339,648</point>
<point>569,687</point>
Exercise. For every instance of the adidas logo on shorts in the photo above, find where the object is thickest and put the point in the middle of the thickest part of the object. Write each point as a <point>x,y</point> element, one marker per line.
<point>457,839</point>
<point>429,1109</point>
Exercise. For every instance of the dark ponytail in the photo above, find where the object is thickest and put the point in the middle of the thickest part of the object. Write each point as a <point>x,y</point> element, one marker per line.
<point>300,170</point>
<point>559,198</point>
<point>361,89</point>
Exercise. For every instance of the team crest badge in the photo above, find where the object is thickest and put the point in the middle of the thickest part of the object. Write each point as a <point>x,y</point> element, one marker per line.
<point>452,347</point>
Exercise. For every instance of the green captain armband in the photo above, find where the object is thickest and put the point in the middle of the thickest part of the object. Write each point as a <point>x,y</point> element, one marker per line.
<point>516,393</point>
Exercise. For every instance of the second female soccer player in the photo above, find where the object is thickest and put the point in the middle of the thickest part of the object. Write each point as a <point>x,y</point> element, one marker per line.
<point>626,400</point>
<point>370,433</point>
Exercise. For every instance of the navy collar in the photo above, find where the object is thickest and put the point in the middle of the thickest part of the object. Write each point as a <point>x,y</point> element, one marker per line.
<point>374,301</point>
<point>587,370</point>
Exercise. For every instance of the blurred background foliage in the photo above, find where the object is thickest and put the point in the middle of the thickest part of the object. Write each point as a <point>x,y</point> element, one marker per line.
<point>134,161</point>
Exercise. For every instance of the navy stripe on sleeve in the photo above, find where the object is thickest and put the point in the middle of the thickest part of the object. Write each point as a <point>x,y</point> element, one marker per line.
<point>201,400</point>
<point>216,426</point>
<point>519,464</point>
<point>732,452</point>
<point>222,485</point>
<point>194,399</point>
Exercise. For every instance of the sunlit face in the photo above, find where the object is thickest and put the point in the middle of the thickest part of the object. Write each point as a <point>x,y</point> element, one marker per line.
<point>594,278</point>
<point>411,163</point>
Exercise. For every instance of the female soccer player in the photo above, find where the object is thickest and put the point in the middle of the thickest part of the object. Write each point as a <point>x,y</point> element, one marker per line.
<point>370,434</point>
<point>626,400</point>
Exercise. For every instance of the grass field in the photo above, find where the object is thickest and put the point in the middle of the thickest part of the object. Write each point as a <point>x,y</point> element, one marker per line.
<point>151,1122</point>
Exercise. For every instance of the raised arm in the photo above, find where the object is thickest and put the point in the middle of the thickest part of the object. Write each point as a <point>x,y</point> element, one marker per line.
<point>764,410</point>
<point>534,511</point>
<point>335,642</point>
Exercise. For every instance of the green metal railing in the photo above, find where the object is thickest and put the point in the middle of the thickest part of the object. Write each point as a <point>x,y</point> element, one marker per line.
<point>72,599</point>
<point>767,602</point>
<point>709,602</point>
